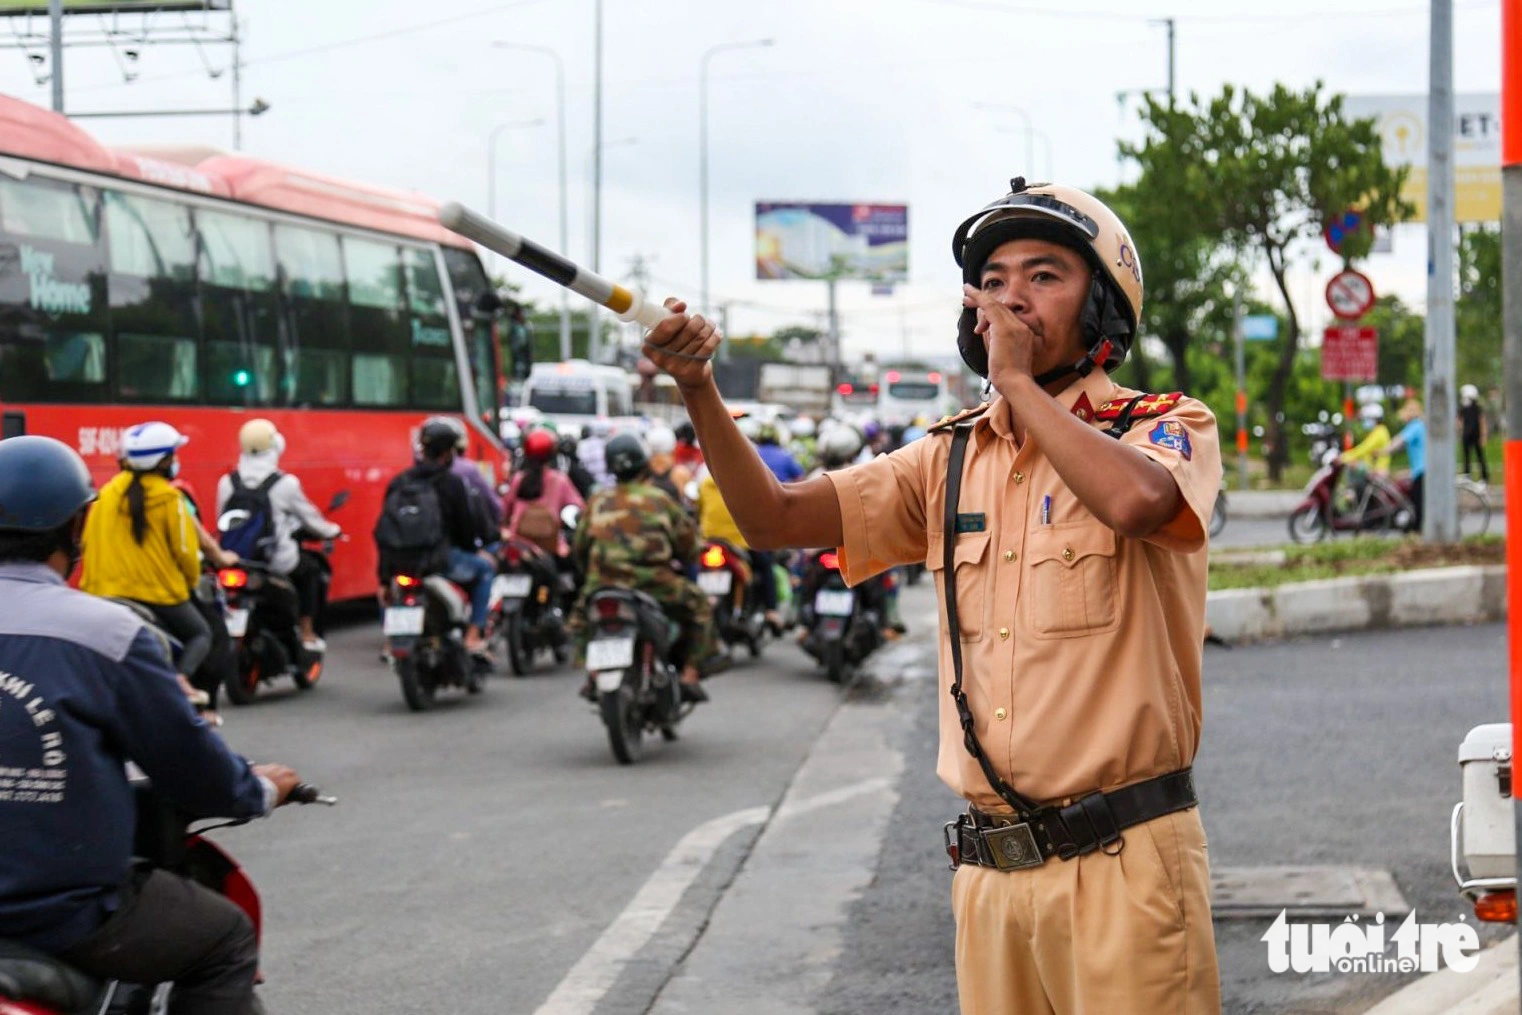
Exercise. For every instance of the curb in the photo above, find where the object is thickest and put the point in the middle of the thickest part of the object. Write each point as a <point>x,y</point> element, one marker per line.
<point>1440,595</point>
<point>1490,988</point>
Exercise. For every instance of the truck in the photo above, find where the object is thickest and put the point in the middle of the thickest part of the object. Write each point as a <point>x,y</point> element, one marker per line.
<point>804,387</point>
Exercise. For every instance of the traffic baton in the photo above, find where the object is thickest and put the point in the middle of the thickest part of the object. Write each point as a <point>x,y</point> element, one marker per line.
<point>628,305</point>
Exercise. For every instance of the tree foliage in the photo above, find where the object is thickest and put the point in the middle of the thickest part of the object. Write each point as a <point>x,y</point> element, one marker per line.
<point>1477,310</point>
<point>1257,176</point>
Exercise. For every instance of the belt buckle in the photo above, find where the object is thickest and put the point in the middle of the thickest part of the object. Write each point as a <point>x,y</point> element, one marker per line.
<point>1013,847</point>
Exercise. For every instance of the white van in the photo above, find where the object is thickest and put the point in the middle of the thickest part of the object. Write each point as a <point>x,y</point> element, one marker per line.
<point>576,392</point>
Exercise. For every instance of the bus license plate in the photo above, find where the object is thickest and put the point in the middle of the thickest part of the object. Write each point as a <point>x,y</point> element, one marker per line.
<point>610,654</point>
<point>513,586</point>
<point>237,623</point>
<point>402,621</point>
<point>829,603</point>
<point>715,583</point>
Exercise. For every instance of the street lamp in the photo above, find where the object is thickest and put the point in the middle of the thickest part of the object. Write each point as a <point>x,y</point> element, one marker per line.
<point>1031,133</point>
<point>703,146</point>
<point>491,160</point>
<point>565,251</point>
<point>594,167</point>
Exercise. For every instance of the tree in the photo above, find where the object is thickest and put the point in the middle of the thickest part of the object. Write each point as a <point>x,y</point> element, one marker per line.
<point>1402,341</point>
<point>1477,312</point>
<point>1261,175</point>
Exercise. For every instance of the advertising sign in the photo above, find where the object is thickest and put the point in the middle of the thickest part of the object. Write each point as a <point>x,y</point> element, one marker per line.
<point>1349,353</point>
<point>1402,124</point>
<point>797,239</point>
<point>1260,328</point>
<point>12,7</point>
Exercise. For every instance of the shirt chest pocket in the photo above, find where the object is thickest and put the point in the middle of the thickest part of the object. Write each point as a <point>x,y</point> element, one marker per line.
<point>1072,587</point>
<point>972,603</point>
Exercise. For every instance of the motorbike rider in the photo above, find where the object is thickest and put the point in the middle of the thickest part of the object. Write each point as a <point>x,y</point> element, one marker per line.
<point>470,565</point>
<point>838,447</point>
<point>96,680</point>
<point>1413,439</point>
<point>1374,449</point>
<point>483,498</point>
<point>566,461</point>
<point>140,543</point>
<point>665,471</point>
<point>538,493</point>
<point>592,451</point>
<point>632,536</point>
<point>260,447</point>
<point>687,451</point>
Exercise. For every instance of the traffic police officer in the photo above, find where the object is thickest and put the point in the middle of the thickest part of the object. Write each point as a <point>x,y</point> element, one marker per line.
<point>1065,523</point>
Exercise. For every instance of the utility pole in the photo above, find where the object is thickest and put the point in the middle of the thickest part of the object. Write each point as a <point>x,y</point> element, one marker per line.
<point>55,16</point>
<point>1241,357</point>
<point>594,336</point>
<point>1511,331</point>
<point>1170,24</point>
<point>237,77</point>
<point>1439,513</point>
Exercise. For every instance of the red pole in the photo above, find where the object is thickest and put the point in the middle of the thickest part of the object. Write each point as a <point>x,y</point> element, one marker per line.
<point>1511,314</point>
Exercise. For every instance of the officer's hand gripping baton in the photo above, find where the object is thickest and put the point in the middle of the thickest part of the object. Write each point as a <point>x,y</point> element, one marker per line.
<point>628,305</point>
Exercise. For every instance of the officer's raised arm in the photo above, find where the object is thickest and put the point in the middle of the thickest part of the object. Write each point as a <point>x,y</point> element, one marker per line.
<point>770,515</point>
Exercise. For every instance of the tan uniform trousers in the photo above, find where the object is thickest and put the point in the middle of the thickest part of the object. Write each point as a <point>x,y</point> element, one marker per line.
<point>1097,935</point>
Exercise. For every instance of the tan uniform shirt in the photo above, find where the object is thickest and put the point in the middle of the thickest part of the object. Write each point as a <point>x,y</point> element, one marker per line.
<point>1081,648</point>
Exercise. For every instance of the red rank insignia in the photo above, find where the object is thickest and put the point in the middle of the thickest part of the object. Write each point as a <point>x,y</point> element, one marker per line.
<point>1083,408</point>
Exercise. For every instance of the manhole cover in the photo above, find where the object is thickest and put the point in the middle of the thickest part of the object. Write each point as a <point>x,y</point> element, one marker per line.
<point>1239,893</point>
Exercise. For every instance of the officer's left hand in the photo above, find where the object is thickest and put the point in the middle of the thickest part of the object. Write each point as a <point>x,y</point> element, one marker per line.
<point>1012,345</point>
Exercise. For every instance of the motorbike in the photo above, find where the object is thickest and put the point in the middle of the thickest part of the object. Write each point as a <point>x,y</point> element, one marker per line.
<point>530,598</point>
<point>1218,514</point>
<point>1324,433</point>
<point>262,615</point>
<point>738,616</point>
<point>34,983</point>
<point>424,625</point>
<point>842,626</point>
<point>1328,505</point>
<point>632,656</point>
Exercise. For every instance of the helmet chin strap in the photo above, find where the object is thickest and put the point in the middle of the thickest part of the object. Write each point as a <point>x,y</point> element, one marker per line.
<point>1096,355</point>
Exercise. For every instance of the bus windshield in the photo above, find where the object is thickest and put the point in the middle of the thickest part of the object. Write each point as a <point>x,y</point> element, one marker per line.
<point>918,391</point>
<point>564,401</point>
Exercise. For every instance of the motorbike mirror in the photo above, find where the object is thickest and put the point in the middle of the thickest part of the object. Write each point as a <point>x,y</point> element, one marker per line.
<point>339,500</point>
<point>230,520</point>
<point>570,515</point>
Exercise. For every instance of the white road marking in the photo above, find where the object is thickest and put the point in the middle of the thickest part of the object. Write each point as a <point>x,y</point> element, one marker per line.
<point>594,974</point>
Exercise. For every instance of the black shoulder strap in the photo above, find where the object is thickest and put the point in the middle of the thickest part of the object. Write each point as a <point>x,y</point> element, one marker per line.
<point>954,462</point>
<point>1123,421</point>
<point>269,482</point>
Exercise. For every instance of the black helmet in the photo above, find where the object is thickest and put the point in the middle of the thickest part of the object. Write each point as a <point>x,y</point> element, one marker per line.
<point>43,484</point>
<point>627,456</point>
<point>1080,222</point>
<point>686,432</point>
<point>435,437</point>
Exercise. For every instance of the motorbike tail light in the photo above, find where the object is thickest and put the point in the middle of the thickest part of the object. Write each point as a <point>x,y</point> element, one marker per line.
<point>232,578</point>
<point>888,581</point>
<point>714,556</point>
<point>608,609</point>
<point>830,561</point>
<point>513,555</point>
<point>1497,907</point>
<point>408,581</point>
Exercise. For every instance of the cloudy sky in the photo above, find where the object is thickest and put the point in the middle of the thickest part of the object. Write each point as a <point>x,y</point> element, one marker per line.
<point>856,100</point>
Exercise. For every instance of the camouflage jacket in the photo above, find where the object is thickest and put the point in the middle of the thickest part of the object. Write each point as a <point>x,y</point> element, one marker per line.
<point>631,532</point>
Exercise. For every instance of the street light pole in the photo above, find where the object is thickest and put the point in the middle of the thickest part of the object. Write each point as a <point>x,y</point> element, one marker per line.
<point>594,333</point>
<point>55,17</point>
<point>1030,133</point>
<point>491,160</point>
<point>565,237</point>
<point>1439,514</point>
<point>703,155</point>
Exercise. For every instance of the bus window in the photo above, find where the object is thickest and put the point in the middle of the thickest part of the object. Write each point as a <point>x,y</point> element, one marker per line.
<point>52,293</point>
<point>914,391</point>
<point>470,284</point>
<point>563,396</point>
<point>381,337</point>
<point>152,292</point>
<point>316,356</point>
<point>435,374</point>
<point>237,272</point>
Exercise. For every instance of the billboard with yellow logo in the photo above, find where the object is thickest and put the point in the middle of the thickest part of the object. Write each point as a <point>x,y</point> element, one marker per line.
<point>1402,125</point>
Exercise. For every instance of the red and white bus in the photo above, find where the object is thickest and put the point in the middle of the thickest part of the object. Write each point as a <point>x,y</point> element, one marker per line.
<point>203,288</point>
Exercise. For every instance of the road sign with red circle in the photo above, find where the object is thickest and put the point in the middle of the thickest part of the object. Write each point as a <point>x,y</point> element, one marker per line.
<point>1350,294</point>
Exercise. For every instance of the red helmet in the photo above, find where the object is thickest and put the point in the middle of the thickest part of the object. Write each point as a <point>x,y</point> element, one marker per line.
<point>540,444</point>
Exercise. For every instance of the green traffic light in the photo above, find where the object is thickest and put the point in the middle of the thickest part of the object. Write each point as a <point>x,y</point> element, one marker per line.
<point>241,378</point>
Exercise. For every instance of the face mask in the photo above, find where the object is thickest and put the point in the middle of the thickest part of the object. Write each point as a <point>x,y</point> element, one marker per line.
<point>174,469</point>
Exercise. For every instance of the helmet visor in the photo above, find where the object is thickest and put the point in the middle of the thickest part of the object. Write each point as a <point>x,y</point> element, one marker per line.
<point>1011,205</point>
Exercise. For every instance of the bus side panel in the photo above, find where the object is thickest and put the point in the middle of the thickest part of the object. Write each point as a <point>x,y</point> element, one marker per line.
<point>329,451</point>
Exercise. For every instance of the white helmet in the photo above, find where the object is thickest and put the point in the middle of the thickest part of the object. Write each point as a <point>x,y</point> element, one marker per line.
<point>259,435</point>
<point>839,444</point>
<point>750,426</point>
<point>802,427</point>
<point>510,433</point>
<point>1470,394</point>
<point>146,445</point>
<point>1371,413</point>
<point>661,439</point>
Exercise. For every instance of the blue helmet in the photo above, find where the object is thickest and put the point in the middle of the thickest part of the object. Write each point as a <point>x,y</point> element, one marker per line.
<point>43,484</point>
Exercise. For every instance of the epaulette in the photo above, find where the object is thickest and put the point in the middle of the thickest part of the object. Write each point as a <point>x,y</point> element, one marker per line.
<point>1148,405</point>
<point>947,422</point>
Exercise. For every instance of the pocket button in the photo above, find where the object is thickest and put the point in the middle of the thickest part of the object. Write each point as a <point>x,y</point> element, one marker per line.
<point>1004,633</point>
<point>1067,553</point>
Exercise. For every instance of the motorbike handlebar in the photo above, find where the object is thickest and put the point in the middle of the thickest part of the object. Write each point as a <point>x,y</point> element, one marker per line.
<point>306,793</point>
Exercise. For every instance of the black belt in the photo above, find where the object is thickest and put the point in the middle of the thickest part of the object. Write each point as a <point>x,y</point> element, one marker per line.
<point>1092,822</point>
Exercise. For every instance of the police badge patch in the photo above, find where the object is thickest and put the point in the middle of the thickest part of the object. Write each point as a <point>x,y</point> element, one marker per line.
<point>1170,433</point>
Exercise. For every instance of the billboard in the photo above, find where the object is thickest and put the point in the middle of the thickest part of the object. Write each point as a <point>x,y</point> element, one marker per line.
<point>11,7</point>
<point>1402,124</point>
<point>797,239</point>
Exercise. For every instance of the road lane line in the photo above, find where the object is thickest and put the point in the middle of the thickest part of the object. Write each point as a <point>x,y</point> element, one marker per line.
<point>598,969</point>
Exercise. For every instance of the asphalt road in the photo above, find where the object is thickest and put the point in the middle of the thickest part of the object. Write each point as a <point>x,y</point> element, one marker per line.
<point>479,850</point>
<point>491,857</point>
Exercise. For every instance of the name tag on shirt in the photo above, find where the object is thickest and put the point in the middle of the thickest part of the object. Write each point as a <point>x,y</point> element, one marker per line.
<point>971,522</point>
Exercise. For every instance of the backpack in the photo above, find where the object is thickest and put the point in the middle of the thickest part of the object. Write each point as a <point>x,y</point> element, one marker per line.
<point>410,530</point>
<point>539,526</point>
<point>254,537</point>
